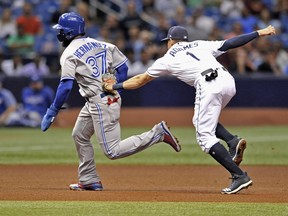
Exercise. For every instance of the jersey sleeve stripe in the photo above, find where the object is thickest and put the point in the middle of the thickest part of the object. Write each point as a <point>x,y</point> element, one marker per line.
<point>123,62</point>
<point>151,74</point>
<point>66,78</point>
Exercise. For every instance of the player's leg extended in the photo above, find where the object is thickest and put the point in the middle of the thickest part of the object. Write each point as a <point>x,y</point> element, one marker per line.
<point>207,111</point>
<point>82,132</point>
<point>131,145</point>
<point>235,144</point>
<point>206,115</point>
<point>109,134</point>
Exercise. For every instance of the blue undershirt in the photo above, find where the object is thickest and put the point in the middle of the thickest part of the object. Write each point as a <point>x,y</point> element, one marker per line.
<point>238,41</point>
<point>121,75</point>
<point>63,91</point>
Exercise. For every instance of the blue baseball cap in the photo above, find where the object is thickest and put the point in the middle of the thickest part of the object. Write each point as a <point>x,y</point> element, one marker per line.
<point>35,78</point>
<point>177,33</point>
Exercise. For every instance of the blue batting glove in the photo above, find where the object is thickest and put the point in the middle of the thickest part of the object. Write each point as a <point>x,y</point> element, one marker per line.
<point>49,118</point>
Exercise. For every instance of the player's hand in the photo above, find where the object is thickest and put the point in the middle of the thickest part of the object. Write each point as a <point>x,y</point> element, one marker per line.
<point>270,30</point>
<point>108,87</point>
<point>108,81</point>
<point>49,118</point>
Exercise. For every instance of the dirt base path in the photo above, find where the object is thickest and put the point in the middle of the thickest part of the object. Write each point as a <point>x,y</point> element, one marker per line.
<point>142,183</point>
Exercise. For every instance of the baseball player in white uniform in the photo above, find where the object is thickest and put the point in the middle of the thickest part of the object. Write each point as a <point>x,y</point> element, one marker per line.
<point>195,64</point>
<point>89,62</point>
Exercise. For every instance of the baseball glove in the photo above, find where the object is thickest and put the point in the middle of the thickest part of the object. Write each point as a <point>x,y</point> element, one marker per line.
<point>109,80</point>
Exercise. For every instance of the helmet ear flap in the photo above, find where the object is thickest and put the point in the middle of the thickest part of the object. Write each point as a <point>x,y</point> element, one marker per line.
<point>62,36</point>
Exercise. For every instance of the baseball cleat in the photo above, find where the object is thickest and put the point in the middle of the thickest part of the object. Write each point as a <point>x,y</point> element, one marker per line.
<point>97,186</point>
<point>236,149</point>
<point>169,138</point>
<point>239,182</point>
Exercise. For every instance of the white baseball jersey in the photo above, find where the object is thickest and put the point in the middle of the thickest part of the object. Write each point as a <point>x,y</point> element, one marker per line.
<point>86,60</point>
<point>186,60</point>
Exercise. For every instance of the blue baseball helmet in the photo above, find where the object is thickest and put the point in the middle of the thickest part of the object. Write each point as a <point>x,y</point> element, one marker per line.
<point>70,25</point>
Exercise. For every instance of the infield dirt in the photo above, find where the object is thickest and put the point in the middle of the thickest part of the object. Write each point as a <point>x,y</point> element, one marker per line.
<point>142,183</point>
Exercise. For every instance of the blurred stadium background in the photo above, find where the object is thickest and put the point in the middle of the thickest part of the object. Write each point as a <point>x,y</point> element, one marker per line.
<point>136,26</point>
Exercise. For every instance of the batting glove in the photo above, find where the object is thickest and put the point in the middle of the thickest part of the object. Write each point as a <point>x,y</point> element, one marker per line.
<point>49,118</point>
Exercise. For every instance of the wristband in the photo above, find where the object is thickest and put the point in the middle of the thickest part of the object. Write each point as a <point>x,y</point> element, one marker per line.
<point>117,86</point>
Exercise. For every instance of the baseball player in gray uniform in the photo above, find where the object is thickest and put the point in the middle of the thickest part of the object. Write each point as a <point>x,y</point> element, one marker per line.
<point>89,62</point>
<point>195,64</point>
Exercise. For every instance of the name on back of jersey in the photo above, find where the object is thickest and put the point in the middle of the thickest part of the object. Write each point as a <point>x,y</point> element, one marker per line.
<point>187,46</point>
<point>83,49</point>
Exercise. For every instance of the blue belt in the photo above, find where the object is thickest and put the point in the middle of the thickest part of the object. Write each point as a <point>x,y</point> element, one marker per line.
<point>102,95</point>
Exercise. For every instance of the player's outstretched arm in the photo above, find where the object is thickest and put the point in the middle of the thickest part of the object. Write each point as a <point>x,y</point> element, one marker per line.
<point>243,39</point>
<point>137,81</point>
<point>132,83</point>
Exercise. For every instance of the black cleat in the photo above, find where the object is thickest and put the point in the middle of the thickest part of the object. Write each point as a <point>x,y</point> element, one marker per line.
<point>236,149</point>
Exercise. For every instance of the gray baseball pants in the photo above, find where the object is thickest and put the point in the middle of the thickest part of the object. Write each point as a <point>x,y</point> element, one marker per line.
<point>102,119</point>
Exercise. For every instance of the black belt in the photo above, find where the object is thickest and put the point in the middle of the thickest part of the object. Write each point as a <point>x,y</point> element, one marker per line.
<point>211,70</point>
<point>213,73</point>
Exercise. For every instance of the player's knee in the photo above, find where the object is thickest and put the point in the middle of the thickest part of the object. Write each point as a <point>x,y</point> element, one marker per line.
<point>78,137</point>
<point>111,156</point>
<point>75,134</point>
<point>112,150</point>
<point>206,144</point>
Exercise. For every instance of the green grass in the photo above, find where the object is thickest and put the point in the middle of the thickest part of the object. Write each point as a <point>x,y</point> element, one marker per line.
<point>9,208</point>
<point>267,145</point>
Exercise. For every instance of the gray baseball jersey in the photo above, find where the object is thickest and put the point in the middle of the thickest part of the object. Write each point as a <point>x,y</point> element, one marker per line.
<point>86,60</point>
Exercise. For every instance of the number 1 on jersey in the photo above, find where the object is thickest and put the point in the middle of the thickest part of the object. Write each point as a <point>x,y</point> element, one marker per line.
<point>193,56</point>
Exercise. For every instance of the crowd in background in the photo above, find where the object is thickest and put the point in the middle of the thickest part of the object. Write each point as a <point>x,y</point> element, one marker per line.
<point>29,47</point>
<point>35,98</point>
<point>28,44</point>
